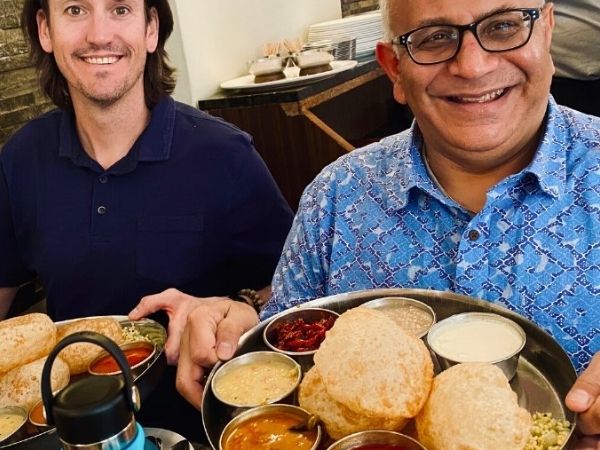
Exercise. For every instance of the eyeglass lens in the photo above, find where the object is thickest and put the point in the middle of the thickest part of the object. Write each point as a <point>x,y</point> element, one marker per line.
<point>499,32</point>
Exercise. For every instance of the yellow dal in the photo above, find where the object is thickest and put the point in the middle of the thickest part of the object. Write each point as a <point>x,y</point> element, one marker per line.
<point>256,383</point>
<point>9,423</point>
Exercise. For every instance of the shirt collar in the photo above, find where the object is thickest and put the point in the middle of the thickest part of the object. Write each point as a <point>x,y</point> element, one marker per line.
<point>404,169</point>
<point>549,162</point>
<point>154,144</point>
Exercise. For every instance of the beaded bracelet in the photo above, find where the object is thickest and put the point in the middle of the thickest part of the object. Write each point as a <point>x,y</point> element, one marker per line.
<point>249,296</point>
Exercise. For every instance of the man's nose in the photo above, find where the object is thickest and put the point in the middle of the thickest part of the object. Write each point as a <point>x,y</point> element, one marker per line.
<point>472,61</point>
<point>100,30</point>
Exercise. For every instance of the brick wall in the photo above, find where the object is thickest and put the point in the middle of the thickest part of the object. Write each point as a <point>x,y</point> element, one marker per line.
<point>350,7</point>
<point>20,97</point>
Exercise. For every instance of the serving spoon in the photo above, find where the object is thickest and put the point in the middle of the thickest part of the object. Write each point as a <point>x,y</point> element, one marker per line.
<point>307,424</point>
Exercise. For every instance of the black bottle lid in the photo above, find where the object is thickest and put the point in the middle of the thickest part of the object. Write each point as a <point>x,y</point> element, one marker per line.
<point>91,409</point>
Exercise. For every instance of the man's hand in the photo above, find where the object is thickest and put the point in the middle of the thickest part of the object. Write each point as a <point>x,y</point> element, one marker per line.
<point>584,399</point>
<point>178,306</point>
<point>587,443</point>
<point>211,334</point>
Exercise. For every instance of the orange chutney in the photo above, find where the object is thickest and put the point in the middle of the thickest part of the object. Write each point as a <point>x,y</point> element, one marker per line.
<point>36,415</point>
<point>109,365</point>
<point>270,432</point>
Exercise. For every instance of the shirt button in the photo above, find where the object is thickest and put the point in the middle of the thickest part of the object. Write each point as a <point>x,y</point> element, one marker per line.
<point>103,179</point>
<point>101,210</point>
<point>473,235</point>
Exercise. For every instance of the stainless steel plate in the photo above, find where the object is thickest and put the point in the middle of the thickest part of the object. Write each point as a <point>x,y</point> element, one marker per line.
<point>146,378</point>
<point>544,375</point>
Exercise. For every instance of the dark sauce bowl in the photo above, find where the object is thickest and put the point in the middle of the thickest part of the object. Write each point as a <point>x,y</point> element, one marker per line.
<point>308,316</point>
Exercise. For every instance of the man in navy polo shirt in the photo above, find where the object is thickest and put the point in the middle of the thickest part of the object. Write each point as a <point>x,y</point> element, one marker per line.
<point>123,193</point>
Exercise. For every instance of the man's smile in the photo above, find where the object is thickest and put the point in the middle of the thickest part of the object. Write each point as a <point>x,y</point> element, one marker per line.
<point>101,60</point>
<point>478,98</point>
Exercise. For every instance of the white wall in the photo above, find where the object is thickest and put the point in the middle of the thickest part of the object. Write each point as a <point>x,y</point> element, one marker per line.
<point>213,40</point>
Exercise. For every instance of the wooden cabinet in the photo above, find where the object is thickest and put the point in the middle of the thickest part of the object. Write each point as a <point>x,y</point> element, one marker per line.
<point>299,131</point>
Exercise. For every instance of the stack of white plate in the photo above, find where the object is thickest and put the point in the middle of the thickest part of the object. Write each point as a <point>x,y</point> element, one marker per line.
<point>366,28</point>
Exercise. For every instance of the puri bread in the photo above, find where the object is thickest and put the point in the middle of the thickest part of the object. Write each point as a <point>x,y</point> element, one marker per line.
<point>25,339</point>
<point>338,420</point>
<point>472,406</point>
<point>374,367</point>
<point>79,356</point>
<point>22,385</point>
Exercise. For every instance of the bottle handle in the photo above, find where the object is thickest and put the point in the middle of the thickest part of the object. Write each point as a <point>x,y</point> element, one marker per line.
<point>93,338</point>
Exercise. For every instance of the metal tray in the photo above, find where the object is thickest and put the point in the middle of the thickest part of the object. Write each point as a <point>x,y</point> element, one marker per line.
<point>146,378</point>
<point>544,374</point>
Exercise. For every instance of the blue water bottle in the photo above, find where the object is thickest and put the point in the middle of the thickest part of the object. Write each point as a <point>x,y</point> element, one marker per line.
<point>95,412</point>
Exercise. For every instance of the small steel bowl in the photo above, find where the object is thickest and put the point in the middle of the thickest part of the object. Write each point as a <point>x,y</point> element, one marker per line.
<point>309,315</point>
<point>19,416</point>
<point>37,415</point>
<point>254,413</point>
<point>507,362</point>
<point>391,304</point>
<point>265,357</point>
<point>371,437</point>
<point>144,345</point>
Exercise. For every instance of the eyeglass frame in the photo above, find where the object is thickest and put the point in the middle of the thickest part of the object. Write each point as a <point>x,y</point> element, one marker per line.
<point>534,14</point>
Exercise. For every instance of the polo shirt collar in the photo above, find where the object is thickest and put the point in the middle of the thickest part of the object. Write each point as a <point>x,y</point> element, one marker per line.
<point>154,144</point>
<point>405,169</point>
<point>549,163</point>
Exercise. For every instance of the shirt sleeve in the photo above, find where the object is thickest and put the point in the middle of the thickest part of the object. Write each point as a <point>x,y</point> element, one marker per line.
<point>302,272</point>
<point>12,270</point>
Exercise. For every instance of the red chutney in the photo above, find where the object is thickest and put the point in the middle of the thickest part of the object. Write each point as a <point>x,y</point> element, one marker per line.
<point>300,336</point>
<point>270,432</point>
<point>379,447</point>
<point>108,364</point>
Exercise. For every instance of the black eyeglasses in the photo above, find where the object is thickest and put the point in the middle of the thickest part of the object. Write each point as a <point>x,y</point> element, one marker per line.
<point>497,32</point>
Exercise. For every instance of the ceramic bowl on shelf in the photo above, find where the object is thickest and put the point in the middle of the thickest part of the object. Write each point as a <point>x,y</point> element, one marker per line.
<point>266,66</point>
<point>313,58</point>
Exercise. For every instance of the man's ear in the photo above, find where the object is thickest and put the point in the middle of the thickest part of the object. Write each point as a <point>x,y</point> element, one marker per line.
<point>386,56</point>
<point>152,31</point>
<point>44,31</point>
<point>549,13</point>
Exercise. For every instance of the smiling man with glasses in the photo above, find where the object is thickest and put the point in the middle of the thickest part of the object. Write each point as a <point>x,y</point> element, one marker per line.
<point>492,193</point>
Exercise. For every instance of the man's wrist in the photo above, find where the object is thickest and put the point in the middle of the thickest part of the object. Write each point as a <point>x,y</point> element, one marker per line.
<point>250,297</point>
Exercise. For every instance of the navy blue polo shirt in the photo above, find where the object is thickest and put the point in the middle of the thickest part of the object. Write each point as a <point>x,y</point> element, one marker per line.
<point>191,206</point>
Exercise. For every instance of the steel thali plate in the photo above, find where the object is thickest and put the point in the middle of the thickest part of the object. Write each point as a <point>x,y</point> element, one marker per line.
<point>146,377</point>
<point>544,374</point>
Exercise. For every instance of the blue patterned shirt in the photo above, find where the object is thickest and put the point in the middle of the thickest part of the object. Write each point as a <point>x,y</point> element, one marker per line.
<point>375,219</point>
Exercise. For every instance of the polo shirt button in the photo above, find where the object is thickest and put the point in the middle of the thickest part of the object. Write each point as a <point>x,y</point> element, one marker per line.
<point>101,210</point>
<point>473,235</point>
<point>103,179</point>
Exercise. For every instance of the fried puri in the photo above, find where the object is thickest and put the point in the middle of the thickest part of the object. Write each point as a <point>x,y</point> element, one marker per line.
<point>373,367</point>
<point>472,406</point>
<point>22,386</point>
<point>338,420</point>
<point>25,339</point>
<point>78,356</point>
